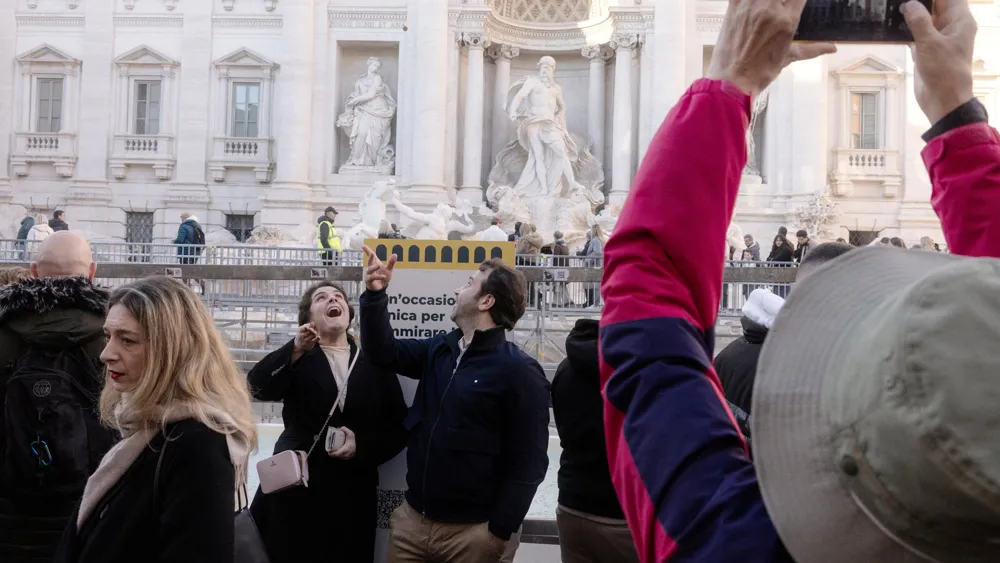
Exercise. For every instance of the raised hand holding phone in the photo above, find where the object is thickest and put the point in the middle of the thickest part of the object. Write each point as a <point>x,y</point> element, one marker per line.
<point>942,55</point>
<point>755,43</point>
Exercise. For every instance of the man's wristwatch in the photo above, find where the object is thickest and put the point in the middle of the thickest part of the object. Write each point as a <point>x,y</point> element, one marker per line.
<point>968,113</point>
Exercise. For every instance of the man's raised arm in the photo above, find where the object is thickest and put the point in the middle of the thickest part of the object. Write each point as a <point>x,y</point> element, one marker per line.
<point>963,152</point>
<point>678,463</point>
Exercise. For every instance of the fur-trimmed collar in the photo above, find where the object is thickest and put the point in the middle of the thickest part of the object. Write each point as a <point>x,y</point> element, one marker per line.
<point>44,295</point>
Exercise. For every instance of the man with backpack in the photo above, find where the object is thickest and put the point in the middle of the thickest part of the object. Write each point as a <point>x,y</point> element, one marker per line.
<point>51,440</point>
<point>189,234</point>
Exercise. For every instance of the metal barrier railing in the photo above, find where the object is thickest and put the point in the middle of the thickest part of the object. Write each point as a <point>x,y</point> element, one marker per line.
<point>253,291</point>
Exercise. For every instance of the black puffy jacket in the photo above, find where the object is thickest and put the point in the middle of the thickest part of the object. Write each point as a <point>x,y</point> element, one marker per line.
<point>736,366</point>
<point>584,478</point>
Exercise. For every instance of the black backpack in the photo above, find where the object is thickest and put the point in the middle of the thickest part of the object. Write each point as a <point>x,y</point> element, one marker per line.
<point>199,238</point>
<point>52,436</point>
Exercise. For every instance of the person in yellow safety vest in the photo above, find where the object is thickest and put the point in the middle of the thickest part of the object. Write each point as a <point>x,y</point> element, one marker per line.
<point>328,242</point>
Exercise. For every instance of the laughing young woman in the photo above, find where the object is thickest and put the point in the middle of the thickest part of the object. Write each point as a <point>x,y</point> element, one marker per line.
<point>165,492</point>
<point>334,518</point>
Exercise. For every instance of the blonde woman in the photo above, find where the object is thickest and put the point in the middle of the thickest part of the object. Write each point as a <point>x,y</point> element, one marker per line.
<point>183,407</point>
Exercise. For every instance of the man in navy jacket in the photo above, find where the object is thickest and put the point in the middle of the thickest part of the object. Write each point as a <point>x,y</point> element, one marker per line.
<point>478,427</point>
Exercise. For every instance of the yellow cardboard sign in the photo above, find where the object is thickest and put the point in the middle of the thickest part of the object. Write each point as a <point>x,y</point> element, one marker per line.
<point>441,254</point>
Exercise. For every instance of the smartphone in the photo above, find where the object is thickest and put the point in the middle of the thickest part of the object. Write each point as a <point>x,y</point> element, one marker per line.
<point>855,21</point>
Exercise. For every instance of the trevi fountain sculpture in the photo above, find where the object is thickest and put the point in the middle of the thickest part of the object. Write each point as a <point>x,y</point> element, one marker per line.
<point>367,122</point>
<point>547,175</point>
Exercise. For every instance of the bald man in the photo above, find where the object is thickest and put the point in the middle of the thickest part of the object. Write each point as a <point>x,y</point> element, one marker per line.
<point>51,337</point>
<point>64,255</point>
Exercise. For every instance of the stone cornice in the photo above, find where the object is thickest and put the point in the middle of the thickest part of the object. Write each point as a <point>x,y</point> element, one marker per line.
<point>149,21</point>
<point>230,22</point>
<point>33,20</point>
<point>388,18</point>
<point>549,37</point>
<point>469,19</point>
<point>710,22</point>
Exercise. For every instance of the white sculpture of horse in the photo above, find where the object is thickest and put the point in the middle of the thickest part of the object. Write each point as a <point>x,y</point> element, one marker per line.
<point>372,212</point>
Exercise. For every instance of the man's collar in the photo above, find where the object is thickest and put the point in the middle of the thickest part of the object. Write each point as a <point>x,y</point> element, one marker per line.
<point>481,339</point>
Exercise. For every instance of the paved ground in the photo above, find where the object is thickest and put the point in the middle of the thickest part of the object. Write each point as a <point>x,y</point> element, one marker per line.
<point>537,554</point>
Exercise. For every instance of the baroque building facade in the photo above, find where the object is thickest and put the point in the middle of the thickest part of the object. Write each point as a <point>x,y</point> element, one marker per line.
<point>127,113</point>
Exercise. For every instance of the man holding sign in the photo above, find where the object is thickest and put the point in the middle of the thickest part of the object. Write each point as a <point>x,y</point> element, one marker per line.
<point>478,427</point>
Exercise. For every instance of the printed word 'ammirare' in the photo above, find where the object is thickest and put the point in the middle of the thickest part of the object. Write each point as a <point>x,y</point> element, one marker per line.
<point>417,332</point>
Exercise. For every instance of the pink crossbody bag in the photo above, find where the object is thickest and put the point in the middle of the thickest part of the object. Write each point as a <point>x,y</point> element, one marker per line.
<point>290,468</point>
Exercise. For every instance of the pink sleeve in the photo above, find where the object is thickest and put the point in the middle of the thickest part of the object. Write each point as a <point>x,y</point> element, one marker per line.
<point>964,166</point>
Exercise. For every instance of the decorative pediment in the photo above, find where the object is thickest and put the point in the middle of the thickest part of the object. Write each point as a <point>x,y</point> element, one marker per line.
<point>870,65</point>
<point>870,71</point>
<point>143,55</point>
<point>245,58</point>
<point>47,54</point>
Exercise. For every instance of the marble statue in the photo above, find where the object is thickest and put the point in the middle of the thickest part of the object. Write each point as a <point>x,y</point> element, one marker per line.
<point>372,212</point>
<point>367,121</point>
<point>607,218</point>
<point>759,105</point>
<point>540,111</point>
<point>546,176</point>
<point>436,225</point>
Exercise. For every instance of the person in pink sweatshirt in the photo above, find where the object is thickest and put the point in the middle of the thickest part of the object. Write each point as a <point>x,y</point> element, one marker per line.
<point>679,465</point>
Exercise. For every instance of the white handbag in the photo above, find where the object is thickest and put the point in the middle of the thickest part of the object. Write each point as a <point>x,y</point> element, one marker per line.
<point>290,468</point>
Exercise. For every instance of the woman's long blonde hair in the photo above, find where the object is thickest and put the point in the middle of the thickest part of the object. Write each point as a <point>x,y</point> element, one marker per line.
<point>189,368</point>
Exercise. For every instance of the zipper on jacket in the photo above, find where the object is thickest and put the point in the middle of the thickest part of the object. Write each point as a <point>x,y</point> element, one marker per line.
<point>430,439</point>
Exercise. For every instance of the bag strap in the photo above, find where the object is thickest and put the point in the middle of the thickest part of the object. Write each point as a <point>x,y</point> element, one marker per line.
<point>336,402</point>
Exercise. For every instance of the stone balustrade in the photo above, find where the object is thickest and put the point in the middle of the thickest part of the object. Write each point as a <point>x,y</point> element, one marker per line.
<point>131,150</point>
<point>237,152</point>
<point>58,149</point>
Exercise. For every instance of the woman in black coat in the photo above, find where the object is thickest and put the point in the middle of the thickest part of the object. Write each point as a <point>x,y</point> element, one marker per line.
<point>334,518</point>
<point>783,254</point>
<point>164,495</point>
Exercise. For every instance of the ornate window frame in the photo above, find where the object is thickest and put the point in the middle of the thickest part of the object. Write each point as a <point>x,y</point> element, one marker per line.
<point>243,65</point>
<point>31,146</point>
<point>866,75</point>
<point>869,74</point>
<point>145,63</point>
<point>45,61</point>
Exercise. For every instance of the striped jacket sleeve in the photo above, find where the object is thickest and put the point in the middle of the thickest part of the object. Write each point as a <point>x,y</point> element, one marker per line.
<point>678,463</point>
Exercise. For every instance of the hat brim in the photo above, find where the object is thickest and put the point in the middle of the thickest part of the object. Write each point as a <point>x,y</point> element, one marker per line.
<point>814,513</point>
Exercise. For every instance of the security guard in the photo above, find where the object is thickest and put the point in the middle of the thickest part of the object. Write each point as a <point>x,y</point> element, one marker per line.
<point>328,242</point>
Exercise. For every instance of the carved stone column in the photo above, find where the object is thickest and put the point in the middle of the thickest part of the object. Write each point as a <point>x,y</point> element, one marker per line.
<point>502,55</point>
<point>472,152</point>
<point>93,126</point>
<point>8,43</point>
<point>596,101</point>
<point>288,201</point>
<point>622,128</point>
<point>430,101</point>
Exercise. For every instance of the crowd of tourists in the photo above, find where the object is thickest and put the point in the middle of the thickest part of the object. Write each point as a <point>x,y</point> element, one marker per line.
<point>853,421</point>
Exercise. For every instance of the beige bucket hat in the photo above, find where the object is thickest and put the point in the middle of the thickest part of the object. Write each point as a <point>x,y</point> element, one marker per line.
<point>876,411</point>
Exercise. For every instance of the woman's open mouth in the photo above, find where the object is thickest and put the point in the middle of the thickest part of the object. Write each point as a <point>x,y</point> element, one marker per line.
<point>115,375</point>
<point>334,312</point>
